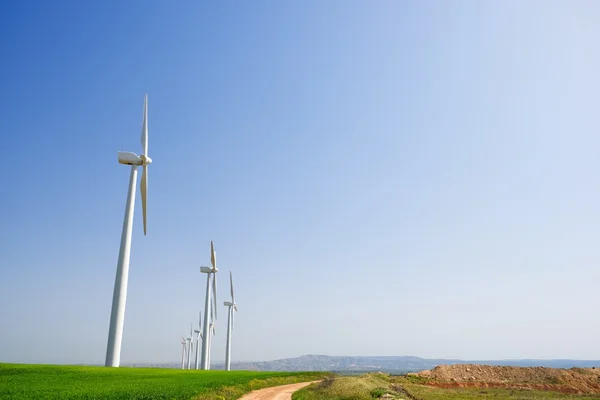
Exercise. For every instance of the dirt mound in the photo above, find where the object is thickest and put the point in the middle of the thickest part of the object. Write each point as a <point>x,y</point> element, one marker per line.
<point>574,380</point>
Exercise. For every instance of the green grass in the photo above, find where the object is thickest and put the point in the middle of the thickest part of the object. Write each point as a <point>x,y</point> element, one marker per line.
<point>364,387</point>
<point>432,393</point>
<point>48,382</point>
<point>372,386</point>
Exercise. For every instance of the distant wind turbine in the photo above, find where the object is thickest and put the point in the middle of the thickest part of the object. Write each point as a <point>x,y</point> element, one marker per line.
<point>210,272</point>
<point>232,308</point>
<point>117,316</point>
<point>183,344</point>
<point>191,348</point>
<point>198,336</point>
<point>211,329</point>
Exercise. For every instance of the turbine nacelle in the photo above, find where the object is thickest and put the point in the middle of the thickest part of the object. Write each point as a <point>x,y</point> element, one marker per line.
<point>129,158</point>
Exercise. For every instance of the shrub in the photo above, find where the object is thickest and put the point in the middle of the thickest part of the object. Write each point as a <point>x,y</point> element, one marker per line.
<point>378,392</point>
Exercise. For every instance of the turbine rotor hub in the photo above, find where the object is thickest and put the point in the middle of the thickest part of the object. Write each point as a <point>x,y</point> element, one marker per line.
<point>145,160</point>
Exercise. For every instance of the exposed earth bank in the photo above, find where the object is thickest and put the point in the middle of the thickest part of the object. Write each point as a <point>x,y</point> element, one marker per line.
<point>573,380</point>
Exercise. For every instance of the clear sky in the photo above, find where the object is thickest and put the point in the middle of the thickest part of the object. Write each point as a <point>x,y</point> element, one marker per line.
<point>382,177</point>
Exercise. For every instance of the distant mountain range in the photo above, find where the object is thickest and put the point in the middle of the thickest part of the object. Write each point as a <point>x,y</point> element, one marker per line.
<point>389,364</point>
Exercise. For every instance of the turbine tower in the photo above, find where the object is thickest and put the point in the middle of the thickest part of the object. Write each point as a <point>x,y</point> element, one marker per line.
<point>210,272</point>
<point>182,352</point>
<point>117,316</point>
<point>232,308</point>
<point>198,333</point>
<point>190,344</point>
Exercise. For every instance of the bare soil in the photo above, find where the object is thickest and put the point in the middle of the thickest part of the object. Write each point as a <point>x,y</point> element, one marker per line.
<point>574,380</point>
<point>283,392</point>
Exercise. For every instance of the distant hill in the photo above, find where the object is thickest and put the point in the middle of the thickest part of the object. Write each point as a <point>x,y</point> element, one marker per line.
<point>342,364</point>
<point>393,364</point>
<point>389,364</point>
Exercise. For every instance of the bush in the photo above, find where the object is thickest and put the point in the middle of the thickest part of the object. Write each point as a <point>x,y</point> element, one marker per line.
<point>378,392</point>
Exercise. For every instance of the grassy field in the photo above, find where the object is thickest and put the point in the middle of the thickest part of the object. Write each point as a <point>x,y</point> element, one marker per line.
<point>372,386</point>
<point>363,387</point>
<point>431,393</point>
<point>45,382</point>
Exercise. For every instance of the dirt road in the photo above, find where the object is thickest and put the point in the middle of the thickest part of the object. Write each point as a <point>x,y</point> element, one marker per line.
<point>283,392</point>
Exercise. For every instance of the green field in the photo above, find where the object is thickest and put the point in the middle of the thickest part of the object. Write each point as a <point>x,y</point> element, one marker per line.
<point>363,387</point>
<point>372,386</point>
<point>21,381</point>
<point>431,393</point>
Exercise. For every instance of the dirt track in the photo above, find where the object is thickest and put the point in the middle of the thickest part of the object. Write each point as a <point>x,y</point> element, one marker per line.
<point>283,392</point>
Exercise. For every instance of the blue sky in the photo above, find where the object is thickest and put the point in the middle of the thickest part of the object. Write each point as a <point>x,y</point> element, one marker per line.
<point>383,178</point>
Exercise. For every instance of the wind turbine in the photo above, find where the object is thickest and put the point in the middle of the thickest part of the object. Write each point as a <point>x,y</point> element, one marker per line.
<point>182,352</point>
<point>198,336</point>
<point>117,316</point>
<point>209,271</point>
<point>232,308</point>
<point>190,341</point>
<point>211,329</point>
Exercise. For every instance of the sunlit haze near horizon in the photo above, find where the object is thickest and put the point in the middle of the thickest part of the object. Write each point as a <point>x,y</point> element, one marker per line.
<point>382,178</point>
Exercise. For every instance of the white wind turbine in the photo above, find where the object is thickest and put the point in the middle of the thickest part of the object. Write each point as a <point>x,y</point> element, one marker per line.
<point>117,316</point>
<point>211,329</point>
<point>198,333</point>
<point>209,271</point>
<point>190,344</point>
<point>183,345</point>
<point>232,308</point>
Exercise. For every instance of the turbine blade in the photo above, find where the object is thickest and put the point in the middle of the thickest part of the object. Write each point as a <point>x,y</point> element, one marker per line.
<point>231,287</point>
<point>232,319</point>
<point>213,255</point>
<point>215,294</point>
<point>145,127</point>
<point>144,193</point>
<point>200,320</point>
<point>235,307</point>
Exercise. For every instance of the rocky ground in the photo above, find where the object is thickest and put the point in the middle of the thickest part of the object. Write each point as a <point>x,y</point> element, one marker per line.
<point>574,380</point>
